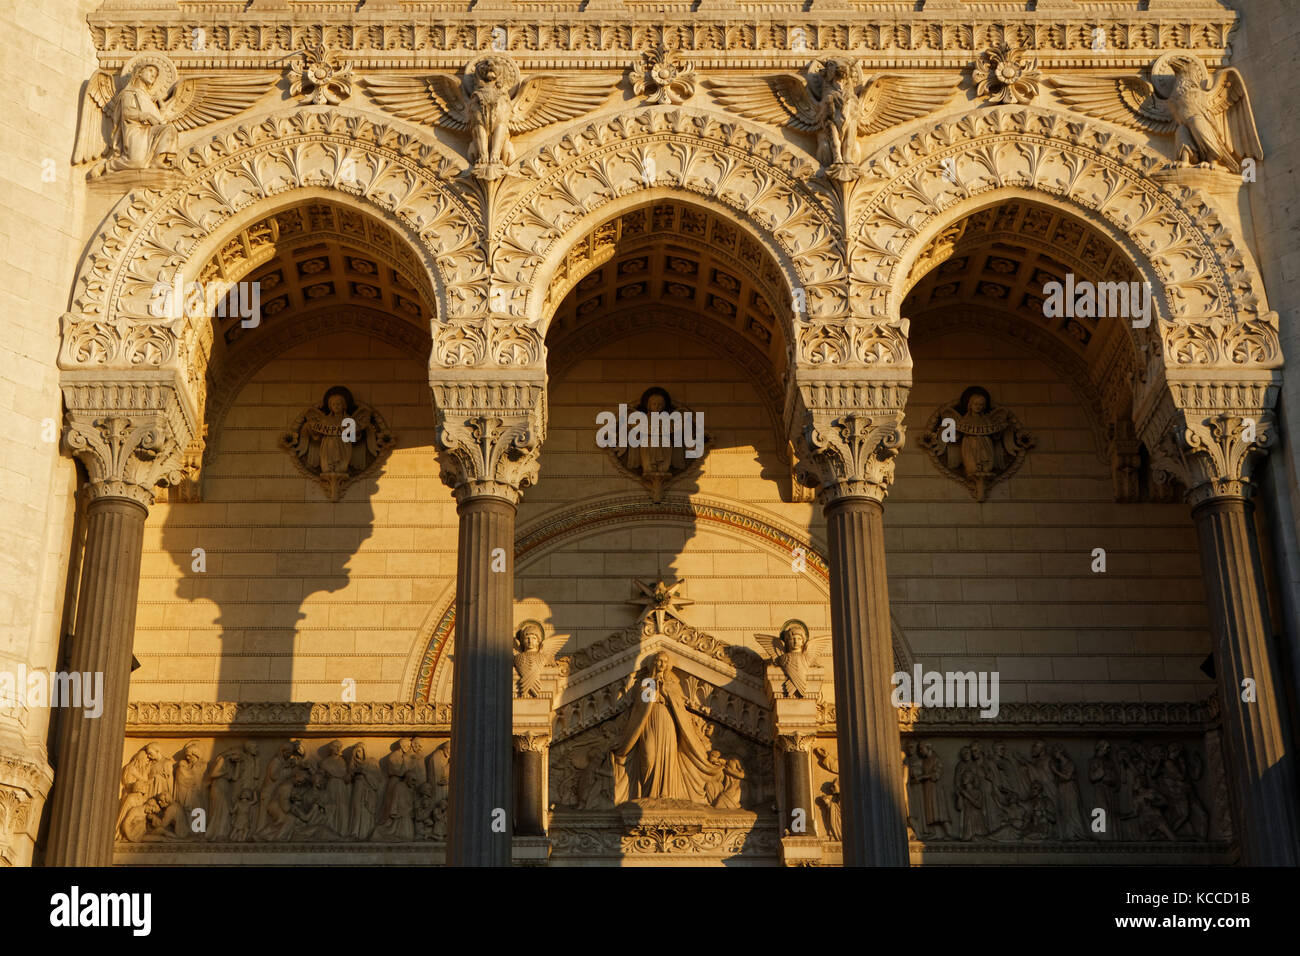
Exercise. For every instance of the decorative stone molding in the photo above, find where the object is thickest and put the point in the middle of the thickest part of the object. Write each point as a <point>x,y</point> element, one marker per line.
<point>130,436</point>
<point>24,785</point>
<point>259,718</point>
<point>320,77</point>
<point>491,435</point>
<point>1209,436</point>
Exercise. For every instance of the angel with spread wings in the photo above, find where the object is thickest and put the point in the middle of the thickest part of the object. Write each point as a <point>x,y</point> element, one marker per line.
<point>1211,120</point>
<point>791,652</point>
<point>835,100</point>
<point>533,653</point>
<point>492,101</point>
<point>135,124</point>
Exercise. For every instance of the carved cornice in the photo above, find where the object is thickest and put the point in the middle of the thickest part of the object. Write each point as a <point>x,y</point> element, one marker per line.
<point>259,718</point>
<point>130,436</point>
<point>1016,718</point>
<point>1210,434</point>
<point>490,434</point>
<point>379,36</point>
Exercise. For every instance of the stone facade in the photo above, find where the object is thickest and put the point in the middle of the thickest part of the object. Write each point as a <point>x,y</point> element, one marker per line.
<point>326,548</point>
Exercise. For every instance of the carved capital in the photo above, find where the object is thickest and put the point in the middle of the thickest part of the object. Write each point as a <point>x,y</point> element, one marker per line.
<point>130,436</point>
<point>795,743</point>
<point>490,435</point>
<point>846,436</point>
<point>1209,436</point>
<point>532,743</point>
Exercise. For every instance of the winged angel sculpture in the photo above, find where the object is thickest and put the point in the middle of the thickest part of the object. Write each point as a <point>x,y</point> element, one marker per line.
<point>794,653</point>
<point>1211,120</point>
<point>131,121</point>
<point>492,102</point>
<point>837,101</point>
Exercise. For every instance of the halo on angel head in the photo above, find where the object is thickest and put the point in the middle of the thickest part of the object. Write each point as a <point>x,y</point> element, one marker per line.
<point>167,75</point>
<point>505,68</point>
<point>963,404</point>
<point>337,390</point>
<point>1163,71</point>
<point>522,629</point>
<point>791,623</point>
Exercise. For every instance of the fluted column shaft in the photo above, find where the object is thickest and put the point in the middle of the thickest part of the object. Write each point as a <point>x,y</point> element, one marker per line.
<point>89,759</point>
<point>1260,753</point>
<point>481,798</point>
<point>871,783</point>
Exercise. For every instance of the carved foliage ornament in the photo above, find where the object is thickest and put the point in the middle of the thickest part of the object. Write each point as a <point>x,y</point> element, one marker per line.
<point>974,443</point>
<point>850,454</point>
<point>317,75</point>
<point>1003,74</point>
<point>490,449</point>
<point>662,76</point>
<point>125,455</point>
<point>338,442</point>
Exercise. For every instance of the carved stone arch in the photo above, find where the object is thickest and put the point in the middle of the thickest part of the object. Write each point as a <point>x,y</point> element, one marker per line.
<point>585,176</point>
<point>1210,302</point>
<point>228,181</point>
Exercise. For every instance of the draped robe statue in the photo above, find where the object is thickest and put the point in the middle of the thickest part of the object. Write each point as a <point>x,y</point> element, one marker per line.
<point>661,755</point>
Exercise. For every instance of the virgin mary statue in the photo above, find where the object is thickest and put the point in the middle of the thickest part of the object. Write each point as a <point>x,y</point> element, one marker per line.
<point>661,755</point>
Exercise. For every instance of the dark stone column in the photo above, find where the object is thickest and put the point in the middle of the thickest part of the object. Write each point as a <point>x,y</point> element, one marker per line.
<point>871,780</point>
<point>481,800</point>
<point>1260,751</point>
<point>798,783</point>
<point>530,806</point>
<point>87,777</point>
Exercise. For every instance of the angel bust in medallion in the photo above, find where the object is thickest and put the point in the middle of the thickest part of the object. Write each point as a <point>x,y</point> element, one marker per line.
<point>490,100</point>
<point>790,651</point>
<point>1211,120</point>
<point>837,101</point>
<point>131,121</point>
<point>338,441</point>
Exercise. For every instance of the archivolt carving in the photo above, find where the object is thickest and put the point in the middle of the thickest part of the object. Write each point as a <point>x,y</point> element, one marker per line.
<point>1213,309</point>
<point>762,183</point>
<point>153,234</point>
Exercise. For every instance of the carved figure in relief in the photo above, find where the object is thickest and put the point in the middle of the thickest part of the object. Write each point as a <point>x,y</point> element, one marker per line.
<point>1147,806</point>
<point>139,775</point>
<point>834,99</point>
<point>491,101</point>
<point>1067,796</point>
<point>831,809</point>
<point>241,822</point>
<point>279,774</point>
<point>723,792</point>
<point>337,790</point>
<point>135,126</point>
<point>829,762</point>
<point>1211,120</point>
<point>365,794</point>
<point>163,820</point>
<point>438,769</point>
<point>975,443</point>
<point>912,770</point>
<point>188,792</point>
<point>337,442</point>
<point>1103,773</point>
<point>933,796</point>
<point>1042,812</point>
<point>1176,785</point>
<point>660,755</point>
<point>397,812</point>
<point>790,651</point>
<point>969,801</point>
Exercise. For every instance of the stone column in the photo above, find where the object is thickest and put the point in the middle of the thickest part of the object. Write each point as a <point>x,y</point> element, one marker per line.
<point>126,452</point>
<point>1209,440</point>
<point>851,436</point>
<point>490,433</point>
<point>530,783</point>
